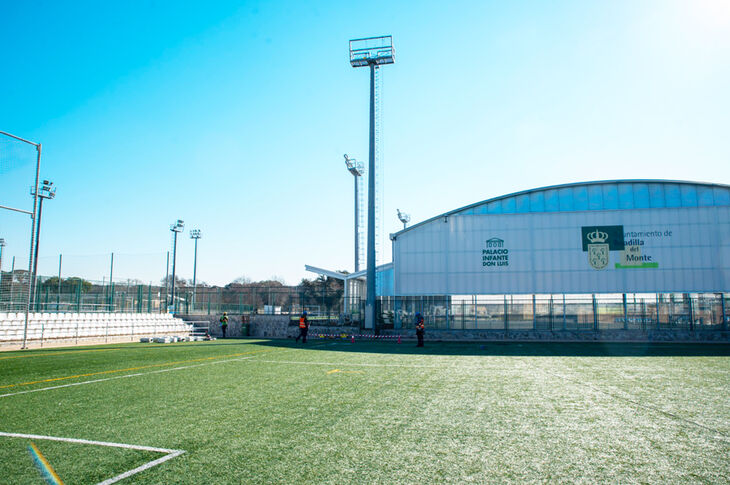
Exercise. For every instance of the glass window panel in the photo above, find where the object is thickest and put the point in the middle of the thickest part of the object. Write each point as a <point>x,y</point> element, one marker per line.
<point>509,205</point>
<point>689,196</point>
<point>704,196</point>
<point>610,196</point>
<point>494,207</point>
<point>625,196</point>
<point>722,195</point>
<point>656,195</point>
<point>552,202</point>
<point>641,196</point>
<point>672,196</point>
<point>565,196</point>
<point>537,201</point>
<point>580,198</point>
<point>595,197</point>
<point>523,203</point>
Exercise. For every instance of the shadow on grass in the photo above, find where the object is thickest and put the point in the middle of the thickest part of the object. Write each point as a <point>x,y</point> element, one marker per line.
<point>536,349</point>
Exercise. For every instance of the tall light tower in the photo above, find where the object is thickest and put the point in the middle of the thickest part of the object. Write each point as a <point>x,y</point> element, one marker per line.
<point>356,169</point>
<point>404,218</point>
<point>38,148</point>
<point>175,228</point>
<point>2,245</point>
<point>195,234</point>
<point>372,52</point>
<point>46,191</point>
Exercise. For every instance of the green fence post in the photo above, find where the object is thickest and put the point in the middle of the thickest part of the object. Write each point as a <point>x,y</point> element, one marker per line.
<point>149,298</point>
<point>626,312</point>
<point>78,297</point>
<point>208,303</point>
<point>595,314</point>
<point>506,316</point>
<point>724,315</point>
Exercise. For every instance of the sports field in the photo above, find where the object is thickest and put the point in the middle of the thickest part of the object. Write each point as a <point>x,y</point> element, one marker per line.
<point>271,411</point>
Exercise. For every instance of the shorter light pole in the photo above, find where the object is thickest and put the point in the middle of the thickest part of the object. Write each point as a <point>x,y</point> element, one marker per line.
<point>2,245</point>
<point>356,169</point>
<point>404,218</point>
<point>177,227</point>
<point>46,191</point>
<point>195,234</point>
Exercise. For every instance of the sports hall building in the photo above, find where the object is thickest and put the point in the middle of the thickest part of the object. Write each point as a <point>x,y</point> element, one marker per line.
<point>608,255</point>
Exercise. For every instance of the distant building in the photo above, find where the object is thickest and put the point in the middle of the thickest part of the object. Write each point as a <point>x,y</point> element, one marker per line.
<point>624,254</point>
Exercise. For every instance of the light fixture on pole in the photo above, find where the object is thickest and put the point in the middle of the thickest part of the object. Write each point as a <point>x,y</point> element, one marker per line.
<point>176,228</point>
<point>2,245</point>
<point>45,191</point>
<point>404,218</point>
<point>356,169</point>
<point>372,52</point>
<point>195,234</point>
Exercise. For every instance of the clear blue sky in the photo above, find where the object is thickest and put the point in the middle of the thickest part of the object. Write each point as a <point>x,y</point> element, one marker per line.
<point>234,117</point>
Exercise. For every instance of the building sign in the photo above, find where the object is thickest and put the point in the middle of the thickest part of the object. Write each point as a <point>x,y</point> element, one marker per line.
<point>495,254</point>
<point>599,241</point>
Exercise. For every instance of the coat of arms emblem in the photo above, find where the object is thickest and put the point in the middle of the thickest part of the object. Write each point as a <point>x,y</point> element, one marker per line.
<point>598,249</point>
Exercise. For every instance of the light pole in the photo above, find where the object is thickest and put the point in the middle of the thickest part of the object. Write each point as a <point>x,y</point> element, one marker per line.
<point>195,234</point>
<point>372,52</point>
<point>47,191</point>
<point>356,169</point>
<point>38,148</point>
<point>175,228</point>
<point>2,245</point>
<point>404,218</point>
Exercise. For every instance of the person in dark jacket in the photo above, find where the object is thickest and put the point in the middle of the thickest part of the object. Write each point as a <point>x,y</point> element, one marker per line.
<point>420,329</point>
<point>224,323</point>
<point>303,327</point>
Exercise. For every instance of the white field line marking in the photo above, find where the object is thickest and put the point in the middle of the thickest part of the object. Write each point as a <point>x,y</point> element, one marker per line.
<point>170,454</point>
<point>347,364</point>
<point>124,376</point>
<point>138,374</point>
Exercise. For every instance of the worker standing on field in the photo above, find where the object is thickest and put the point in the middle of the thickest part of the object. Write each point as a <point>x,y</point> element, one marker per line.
<point>224,323</point>
<point>303,327</point>
<point>420,329</point>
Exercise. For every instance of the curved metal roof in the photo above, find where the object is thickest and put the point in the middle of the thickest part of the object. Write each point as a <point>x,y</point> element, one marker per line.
<point>599,195</point>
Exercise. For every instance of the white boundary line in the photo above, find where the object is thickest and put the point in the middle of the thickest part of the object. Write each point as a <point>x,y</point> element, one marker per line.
<point>170,454</point>
<point>137,374</point>
<point>349,364</point>
<point>123,377</point>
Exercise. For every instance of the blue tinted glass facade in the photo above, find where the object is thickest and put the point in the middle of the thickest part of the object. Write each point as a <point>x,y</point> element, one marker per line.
<point>606,196</point>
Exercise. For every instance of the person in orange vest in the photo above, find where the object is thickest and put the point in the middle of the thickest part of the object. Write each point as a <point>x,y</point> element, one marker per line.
<point>303,328</point>
<point>420,329</point>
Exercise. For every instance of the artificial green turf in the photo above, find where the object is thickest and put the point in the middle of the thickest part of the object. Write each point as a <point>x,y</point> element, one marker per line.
<point>248,411</point>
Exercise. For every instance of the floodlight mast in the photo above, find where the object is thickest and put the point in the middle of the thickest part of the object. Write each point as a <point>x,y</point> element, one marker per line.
<point>177,227</point>
<point>356,169</point>
<point>404,218</point>
<point>47,191</point>
<point>38,148</point>
<point>2,245</point>
<point>372,52</point>
<point>195,234</point>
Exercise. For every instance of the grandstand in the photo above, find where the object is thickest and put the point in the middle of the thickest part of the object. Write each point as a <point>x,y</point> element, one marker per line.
<point>76,327</point>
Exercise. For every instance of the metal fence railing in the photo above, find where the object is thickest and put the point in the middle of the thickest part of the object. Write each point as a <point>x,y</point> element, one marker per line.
<point>562,312</point>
